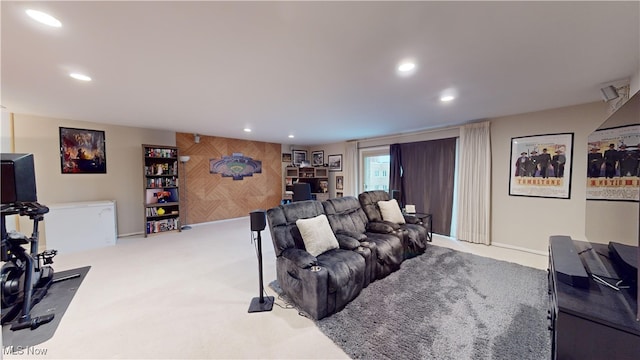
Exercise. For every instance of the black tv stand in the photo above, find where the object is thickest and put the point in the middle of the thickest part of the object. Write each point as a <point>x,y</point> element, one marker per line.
<point>595,321</point>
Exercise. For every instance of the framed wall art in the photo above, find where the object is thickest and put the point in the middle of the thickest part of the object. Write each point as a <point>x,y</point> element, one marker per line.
<point>317,158</point>
<point>613,171</point>
<point>541,166</point>
<point>339,182</point>
<point>299,156</point>
<point>82,151</point>
<point>335,162</point>
<point>286,157</point>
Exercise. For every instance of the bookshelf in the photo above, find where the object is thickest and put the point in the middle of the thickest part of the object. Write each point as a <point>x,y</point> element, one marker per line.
<point>318,177</point>
<point>160,184</point>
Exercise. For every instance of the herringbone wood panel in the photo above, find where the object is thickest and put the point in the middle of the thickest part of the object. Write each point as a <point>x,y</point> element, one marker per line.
<point>213,197</point>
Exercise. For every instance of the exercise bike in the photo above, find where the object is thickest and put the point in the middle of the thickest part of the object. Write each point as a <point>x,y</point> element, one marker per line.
<point>24,280</point>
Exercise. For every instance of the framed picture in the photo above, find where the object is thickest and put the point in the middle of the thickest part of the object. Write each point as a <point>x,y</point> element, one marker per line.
<point>339,194</point>
<point>82,151</point>
<point>541,166</point>
<point>612,164</point>
<point>335,162</point>
<point>299,156</point>
<point>317,158</point>
<point>286,157</point>
<point>324,186</point>
<point>339,182</point>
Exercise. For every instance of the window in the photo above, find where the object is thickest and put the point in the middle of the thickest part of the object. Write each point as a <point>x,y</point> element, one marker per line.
<point>375,169</point>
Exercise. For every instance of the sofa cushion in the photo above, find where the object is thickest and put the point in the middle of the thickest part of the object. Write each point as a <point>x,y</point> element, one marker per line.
<point>317,235</point>
<point>390,211</point>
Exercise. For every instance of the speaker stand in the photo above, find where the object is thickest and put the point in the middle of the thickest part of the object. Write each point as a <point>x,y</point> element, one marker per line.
<point>261,303</point>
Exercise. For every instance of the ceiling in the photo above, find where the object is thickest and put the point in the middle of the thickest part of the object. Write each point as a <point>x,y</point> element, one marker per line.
<point>322,71</point>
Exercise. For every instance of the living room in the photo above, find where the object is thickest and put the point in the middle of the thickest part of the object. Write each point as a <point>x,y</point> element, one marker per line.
<point>226,210</point>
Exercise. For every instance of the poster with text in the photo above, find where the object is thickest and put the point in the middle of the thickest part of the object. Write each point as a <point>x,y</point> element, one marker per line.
<point>541,166</point>
<point>613,166</point>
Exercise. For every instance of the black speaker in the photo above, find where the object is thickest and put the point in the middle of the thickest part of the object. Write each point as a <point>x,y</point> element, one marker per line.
<point>18,178</point>
<point>258,220</point>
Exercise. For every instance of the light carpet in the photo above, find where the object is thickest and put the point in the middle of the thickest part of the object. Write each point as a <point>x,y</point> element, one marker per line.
<point>447,304</point>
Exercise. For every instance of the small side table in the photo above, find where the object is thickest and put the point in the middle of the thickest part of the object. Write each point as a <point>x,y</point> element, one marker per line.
<point>426,219</point>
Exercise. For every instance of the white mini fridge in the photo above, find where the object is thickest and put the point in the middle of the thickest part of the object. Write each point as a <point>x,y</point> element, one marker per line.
<point>77,226</point>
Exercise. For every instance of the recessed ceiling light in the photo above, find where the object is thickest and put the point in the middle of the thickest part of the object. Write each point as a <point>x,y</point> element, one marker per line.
<point>247,130</point>
<point>80,77</point>
<point>43,18</point>
<point>446,98</point>
<point>406,67</point>
<point>291,136</point>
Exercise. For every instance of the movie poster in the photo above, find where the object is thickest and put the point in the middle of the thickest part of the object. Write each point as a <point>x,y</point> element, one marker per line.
<point>541,166</point>
<point>613,171</point>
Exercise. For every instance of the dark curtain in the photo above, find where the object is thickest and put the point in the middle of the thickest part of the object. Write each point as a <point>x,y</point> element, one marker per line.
<point>427,179</point>
<point>395,170</point>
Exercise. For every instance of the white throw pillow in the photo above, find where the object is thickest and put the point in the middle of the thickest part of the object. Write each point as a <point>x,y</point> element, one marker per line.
<point>391,211</point>
<point>317,235</point>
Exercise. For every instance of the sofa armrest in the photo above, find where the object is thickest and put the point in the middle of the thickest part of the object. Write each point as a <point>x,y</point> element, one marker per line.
<point>301,258</point>
<point>411,219</point>
<point>355,235</point>
<point>383,227</point>
<point>347,242</point>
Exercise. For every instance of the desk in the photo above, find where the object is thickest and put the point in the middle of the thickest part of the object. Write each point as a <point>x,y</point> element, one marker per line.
<point>427,220</point>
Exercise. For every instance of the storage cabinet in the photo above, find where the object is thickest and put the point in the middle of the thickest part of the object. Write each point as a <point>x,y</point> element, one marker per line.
<point>161,195</point>
<point>592,322</point>
<point>317,177</point>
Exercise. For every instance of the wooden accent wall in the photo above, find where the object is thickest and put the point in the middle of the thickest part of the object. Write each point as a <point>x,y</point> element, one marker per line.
<point>213,197</point>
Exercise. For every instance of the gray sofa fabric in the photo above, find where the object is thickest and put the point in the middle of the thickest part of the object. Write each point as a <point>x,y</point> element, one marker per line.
<point>347,218</point>
<point>322,285</point>
<point>415,240</point>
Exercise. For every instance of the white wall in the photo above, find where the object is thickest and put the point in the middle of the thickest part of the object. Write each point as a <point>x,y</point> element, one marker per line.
<point>122,182</point>
<point>527,222</point>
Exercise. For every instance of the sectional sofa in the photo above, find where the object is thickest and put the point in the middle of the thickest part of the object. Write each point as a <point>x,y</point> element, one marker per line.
<point>327,252</point>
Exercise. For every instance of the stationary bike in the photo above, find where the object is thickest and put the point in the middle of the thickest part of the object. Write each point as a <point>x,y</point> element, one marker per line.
<point>24,280</point>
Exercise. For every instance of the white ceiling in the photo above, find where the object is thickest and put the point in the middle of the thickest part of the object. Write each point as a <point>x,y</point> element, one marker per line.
<point>323,71</point>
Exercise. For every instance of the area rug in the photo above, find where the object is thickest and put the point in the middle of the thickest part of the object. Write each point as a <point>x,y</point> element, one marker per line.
<point>447,304</point>
<point>56,301</point>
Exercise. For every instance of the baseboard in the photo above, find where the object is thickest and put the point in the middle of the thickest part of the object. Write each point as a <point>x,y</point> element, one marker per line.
<point>519,248</point>
<point>130,234</point>
<point>218,221</point>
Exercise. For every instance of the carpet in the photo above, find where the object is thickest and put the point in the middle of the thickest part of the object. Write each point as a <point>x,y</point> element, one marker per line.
<point>447,304</point>
<point>56,300</point>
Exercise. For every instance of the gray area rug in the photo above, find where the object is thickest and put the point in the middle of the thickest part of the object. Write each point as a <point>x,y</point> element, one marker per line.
<point>447,304</point>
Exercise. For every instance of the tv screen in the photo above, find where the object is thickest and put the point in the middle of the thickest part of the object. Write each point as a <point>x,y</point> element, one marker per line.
<point>18,178</point>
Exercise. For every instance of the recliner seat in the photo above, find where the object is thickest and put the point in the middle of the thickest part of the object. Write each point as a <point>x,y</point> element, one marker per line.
<point>318,285</point>
<point>416,233</point>
<point>347,218</point>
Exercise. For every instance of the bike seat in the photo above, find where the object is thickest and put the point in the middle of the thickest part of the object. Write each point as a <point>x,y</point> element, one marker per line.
<point>15,236</point>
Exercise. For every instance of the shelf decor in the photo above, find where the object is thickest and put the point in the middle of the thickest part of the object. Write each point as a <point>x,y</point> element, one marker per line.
<point>82,151</point>
<point>236,166</point>
<point>541,166</point>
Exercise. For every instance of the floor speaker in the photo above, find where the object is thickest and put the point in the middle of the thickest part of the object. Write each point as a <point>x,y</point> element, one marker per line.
<point>258,220</point>
<point>260,303</point>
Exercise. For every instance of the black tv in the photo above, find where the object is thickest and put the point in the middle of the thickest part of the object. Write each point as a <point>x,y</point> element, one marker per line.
<point>18,178</point>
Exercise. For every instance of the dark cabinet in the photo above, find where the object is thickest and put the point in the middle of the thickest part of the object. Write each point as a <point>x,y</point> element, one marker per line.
<point>593,321</point>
